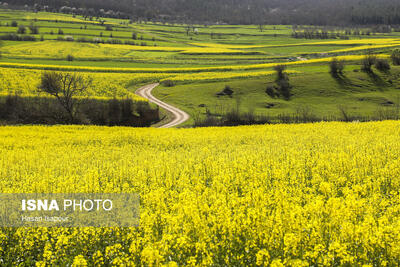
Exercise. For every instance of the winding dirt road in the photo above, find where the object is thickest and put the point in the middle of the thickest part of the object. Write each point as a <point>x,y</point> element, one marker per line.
<point>179,115</point>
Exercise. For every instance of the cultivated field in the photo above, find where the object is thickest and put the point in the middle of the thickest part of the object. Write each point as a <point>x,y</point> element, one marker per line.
<point>200,61</point>
<point>318,194</point>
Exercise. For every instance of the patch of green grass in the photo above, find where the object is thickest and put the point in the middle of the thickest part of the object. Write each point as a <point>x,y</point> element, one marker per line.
<point>358,92</point>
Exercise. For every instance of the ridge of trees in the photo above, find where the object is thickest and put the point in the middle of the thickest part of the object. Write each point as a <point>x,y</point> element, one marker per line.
<point>259,12</point>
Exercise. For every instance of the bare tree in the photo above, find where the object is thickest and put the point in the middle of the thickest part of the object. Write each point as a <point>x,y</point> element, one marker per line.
<point>66,87</point>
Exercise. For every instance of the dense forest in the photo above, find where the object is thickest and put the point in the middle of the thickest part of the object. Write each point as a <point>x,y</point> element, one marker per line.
<point>317,12</point>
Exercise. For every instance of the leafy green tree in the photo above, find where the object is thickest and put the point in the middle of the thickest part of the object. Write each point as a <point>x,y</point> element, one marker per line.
<point>21,29</point>
<point>396,57</point>
<point>336,66</point>
<point>282,82</point>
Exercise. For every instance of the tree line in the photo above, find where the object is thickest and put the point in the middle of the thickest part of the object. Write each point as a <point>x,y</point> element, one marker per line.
<point>258,12</point>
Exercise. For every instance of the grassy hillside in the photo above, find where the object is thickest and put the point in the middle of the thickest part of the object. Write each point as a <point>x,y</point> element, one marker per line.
<point>314,91</point>
<point>200,60</point>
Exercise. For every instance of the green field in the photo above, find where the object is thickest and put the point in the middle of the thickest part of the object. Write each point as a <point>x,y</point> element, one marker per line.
<point>200,60</point>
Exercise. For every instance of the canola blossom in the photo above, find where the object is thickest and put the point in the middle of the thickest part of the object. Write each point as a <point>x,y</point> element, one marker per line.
<point>220,76</point>
<point>59,49</point>
<point>25,81</point>
<point>182,70</point>
<point>376,41</point>
<point>295,195</point>
<point>365,47</point>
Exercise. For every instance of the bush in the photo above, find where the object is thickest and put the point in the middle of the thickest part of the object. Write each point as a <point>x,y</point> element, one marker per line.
<point>282,82</point>
<point>368,62</point>
<point>14,24</point>
<point>227,91</point>
<point>46,110</point>
<point>280,71</point>
<point>168,83</point>
<point>97,40</point>
<point>114,41</point>
<point>15,37</point>
<point>128,42</point>
<point>284,88</point>
<point>396,57</point>
<point>60,32</point>
<point>21,29</point>
<point>382,65</point>
<point>271,91</point>
<point>336,66</point>
<point>70,58</point>
<point>34,29</point>
<point>69,38</point>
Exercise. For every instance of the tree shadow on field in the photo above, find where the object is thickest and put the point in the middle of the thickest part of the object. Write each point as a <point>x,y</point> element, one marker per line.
<point>341,79</point>
<point>376,79</point>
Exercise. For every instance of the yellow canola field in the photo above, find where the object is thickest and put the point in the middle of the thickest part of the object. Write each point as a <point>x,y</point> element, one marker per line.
<point>47,16</point>
<point>364,47</point>
<point>180,70</point>
<point>376,41</point>
<point>25,81</point>
<point>372,41</point>
<point>323,194</point>
<point>219,76</point>
<point>59,50</point>
<point>228,46</point>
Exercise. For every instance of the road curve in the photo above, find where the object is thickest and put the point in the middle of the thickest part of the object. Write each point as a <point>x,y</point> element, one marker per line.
<point>179,115</point>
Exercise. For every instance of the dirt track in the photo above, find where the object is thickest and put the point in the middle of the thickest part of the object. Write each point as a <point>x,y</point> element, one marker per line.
<point>179,116</point>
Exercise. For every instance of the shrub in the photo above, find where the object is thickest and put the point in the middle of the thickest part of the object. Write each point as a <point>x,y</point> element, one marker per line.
<point>97,40</point>
<point>114,41</point>
<point>168,83</point>
<point>15,109</point>
<point>271,91</point>
<point>109,28</point>
<point>282,82</point>
<point>21,29</point>
<point>382,65</point>
<point>284,88</point>
<point>69,38</point>
<point>14,24</point>
<point>15,37</point>
<point>129,42</point>
<point>60,32</point>
<point>336,66</point>
<point>396,57</point>
<point>34,29</point>
<point>280,71</point>
<point>368,62</point>
<point>70,58</point>
<point>227,91</point>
